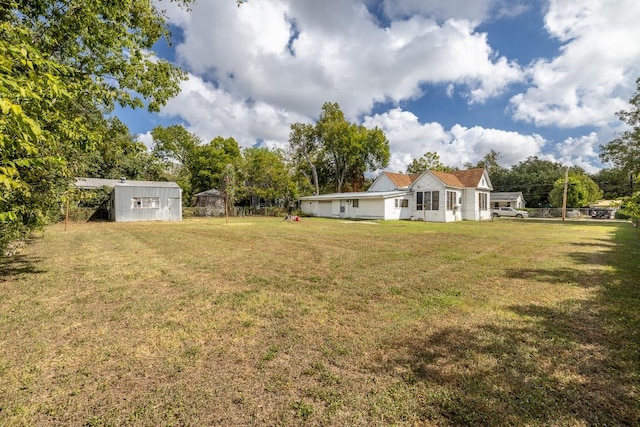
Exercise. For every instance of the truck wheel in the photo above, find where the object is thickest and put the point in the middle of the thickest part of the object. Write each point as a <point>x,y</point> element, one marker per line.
<point>495,215</point>
<point>518,216</point>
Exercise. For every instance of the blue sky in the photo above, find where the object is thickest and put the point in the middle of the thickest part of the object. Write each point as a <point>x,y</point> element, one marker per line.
<point>522,77</point>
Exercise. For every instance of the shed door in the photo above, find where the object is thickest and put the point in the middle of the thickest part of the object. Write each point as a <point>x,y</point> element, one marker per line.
<point>175,209</point>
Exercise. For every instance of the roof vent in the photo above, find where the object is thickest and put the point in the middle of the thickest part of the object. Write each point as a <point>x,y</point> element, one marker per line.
<point>123,179</point>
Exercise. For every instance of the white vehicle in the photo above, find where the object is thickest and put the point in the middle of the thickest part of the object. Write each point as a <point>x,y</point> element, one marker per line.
<point>510,212</point>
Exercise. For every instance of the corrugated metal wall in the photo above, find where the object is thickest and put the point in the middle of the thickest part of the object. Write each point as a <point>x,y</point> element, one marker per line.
<point>168,208</point>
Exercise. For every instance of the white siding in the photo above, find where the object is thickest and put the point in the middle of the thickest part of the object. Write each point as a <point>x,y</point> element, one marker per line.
<point>382,183</point>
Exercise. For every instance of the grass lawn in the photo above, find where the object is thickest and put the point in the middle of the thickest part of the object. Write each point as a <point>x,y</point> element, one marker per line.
<point>322,322</point>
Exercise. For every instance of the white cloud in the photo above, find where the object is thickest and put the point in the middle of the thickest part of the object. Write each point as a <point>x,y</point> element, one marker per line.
<point>472,10</point>
<point>146,139</point>
<point>579,151</point>
<point>210,111</point>
<point>410,139</point>
<point>296,55</point>
<point>592,77</point>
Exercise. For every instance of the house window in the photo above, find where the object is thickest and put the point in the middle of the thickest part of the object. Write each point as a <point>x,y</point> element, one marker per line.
<point>427,200</point>
<point>356,203</point>
<point>483,201</point>
<point>451,200</point>
<point>145,202</point>
<point>404,203</point>
<point>397,203</point>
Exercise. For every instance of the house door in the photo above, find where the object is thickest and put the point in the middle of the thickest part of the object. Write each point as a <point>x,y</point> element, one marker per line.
<point>343,209</point>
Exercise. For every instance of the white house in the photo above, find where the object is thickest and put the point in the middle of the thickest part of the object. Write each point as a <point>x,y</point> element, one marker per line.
<point>511,199</point>
<point>431,196</point>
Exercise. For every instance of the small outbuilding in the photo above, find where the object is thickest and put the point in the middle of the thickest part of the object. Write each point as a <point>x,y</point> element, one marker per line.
<point>513,199</point>
<point>210,203</point>
<point>139,200</point>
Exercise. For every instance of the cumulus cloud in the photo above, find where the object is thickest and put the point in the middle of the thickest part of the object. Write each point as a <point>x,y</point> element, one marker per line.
<point>410,139</point>
<point>298,54</point>
<point>210,111</point>
<point>472,10</point>
<point>593,74</point>
<point>256,69</point>
<point>579,151</point>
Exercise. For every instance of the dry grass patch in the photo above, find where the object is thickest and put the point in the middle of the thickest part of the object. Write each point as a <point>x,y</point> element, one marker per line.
<point>320,322</point>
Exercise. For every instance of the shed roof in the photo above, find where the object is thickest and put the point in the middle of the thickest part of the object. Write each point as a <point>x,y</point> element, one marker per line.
<point>210,193</point>
<point>93,183</point>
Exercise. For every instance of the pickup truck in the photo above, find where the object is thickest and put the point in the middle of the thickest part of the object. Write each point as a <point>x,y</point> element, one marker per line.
<point>511,212</point>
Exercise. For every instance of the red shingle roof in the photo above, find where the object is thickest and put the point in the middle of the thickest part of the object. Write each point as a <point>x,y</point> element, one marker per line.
<point>401,180</point>
<point>469,177</point>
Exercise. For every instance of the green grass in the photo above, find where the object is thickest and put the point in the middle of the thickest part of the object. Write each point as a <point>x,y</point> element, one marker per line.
<point>322,322</point>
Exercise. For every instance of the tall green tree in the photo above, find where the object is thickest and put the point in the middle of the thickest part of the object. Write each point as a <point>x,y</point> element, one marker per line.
<point>624,151</point>
<point>305,152</point>
<point>534,177</point>
<point>61,64</point>
<point>429,161</point>
<point>176,148</point>
<point>614,182</point>
<point>267,177</point>
<point>118,154</point>
<point>581,191</point>
<point>209,164</point>
<point>349,146</point>
<point>35,132</point>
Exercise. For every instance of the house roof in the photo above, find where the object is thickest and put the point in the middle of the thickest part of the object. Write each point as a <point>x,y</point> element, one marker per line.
<point>401,180</point>
<point>93,183</point>
<point>498,196</point>
<point>357,195</point>
<point>469,177</point>
<point>448,178</point>
<point>460,178</point>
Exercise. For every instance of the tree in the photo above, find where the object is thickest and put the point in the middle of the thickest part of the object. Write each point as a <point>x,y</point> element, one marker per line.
<point>62,65</point>
<point>534,177</point>
<point>267,177</point>
<point>624,151</point>
<point>34,92</point>
<point>631,208</point>
<point>614,182</point>
<point>118,154</point>
<point>429,161</point>
<point>350,146</point>
<point>209,163</point>
<point>305,151</point>
<point>581,191</point>
<point>176,148</point>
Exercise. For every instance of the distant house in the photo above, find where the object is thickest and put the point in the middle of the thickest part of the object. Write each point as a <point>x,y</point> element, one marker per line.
<point>139,200</point>
<point>512,200</point>
<point>210,203</point>
<point>431,196</point>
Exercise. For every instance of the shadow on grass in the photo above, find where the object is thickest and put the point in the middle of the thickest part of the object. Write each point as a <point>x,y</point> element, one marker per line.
<point>577,363</point>
<point>10,267</point>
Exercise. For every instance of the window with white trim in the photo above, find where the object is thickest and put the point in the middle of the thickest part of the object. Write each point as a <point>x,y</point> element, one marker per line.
<point>356,203</point>
<point>427,200</point>
<point>483,201</point>
<point>145,203</point>
<point>451,200</point>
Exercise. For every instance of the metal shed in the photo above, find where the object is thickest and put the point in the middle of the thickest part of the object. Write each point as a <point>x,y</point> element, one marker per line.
<point>139,200</point>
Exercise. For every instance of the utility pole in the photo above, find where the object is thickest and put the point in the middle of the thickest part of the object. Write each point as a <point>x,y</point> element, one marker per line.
<point>564,194</point>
